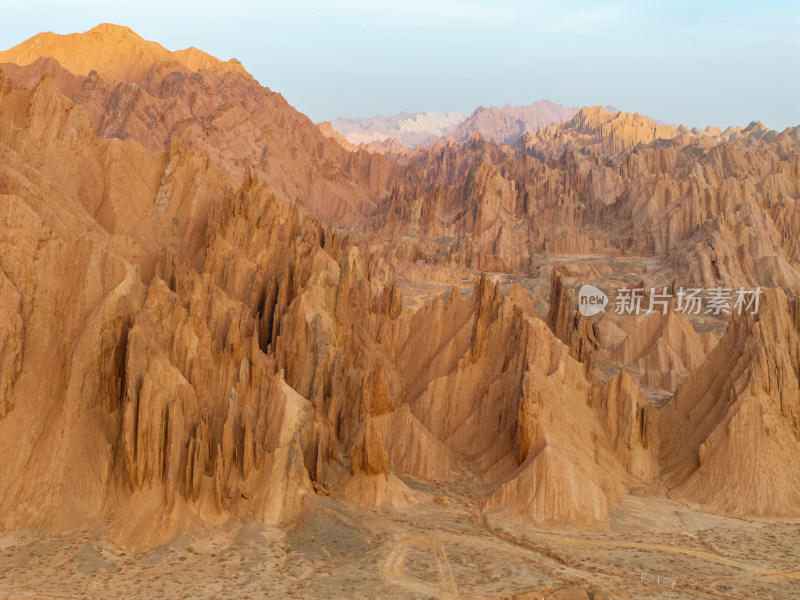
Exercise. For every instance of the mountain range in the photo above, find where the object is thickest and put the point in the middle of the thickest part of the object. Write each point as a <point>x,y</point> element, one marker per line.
<point>502,125</point>
<point>216,314</point>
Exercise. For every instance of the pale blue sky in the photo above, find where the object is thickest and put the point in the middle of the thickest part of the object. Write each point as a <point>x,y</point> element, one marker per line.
<point>699,63</point>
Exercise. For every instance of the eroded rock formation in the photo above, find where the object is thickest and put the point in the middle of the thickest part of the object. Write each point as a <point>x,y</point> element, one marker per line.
<point>183,340</point>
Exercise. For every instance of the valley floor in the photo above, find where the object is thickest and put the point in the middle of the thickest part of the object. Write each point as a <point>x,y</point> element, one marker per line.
<point>335,550</point>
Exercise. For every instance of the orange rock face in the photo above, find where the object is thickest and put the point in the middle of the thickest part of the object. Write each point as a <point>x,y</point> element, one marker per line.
<point>186,337</point>
<point>732,429</point>
<point>132,88</point>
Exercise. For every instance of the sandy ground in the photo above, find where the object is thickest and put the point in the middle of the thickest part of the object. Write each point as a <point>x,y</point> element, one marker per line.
<point>446,550</point>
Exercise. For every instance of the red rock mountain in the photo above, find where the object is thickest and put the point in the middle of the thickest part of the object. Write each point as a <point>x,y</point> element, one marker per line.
<point>186,338</point>
<point>507,124</point>
<point>115,52</point>
<point>131,88</point>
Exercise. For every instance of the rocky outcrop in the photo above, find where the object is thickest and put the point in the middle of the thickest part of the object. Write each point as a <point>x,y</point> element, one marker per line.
<point>631,424</point>
<point>12,334</point>
<point>731,434</point>
<point>564,471</point>
<point>568,325</point>
<point>599,131</point>
<point>661,349</point>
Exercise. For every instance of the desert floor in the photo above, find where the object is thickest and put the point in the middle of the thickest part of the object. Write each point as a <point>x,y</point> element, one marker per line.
<point>448,550</point>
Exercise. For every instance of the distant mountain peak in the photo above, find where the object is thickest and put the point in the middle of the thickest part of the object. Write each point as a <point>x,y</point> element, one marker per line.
<point>507,124</point>
<point>410,129</point>
<point>116,52</point>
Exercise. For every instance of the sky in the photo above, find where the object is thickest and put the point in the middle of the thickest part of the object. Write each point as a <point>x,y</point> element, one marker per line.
<point>698,63</point>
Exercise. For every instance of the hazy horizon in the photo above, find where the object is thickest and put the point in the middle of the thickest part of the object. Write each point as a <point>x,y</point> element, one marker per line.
<point>717,64</point>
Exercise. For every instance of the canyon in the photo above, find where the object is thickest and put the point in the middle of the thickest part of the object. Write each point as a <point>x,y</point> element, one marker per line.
<point>229,335</point>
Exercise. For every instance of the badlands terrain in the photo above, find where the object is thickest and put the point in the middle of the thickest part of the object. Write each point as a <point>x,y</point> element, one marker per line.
<point>244,357</point>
